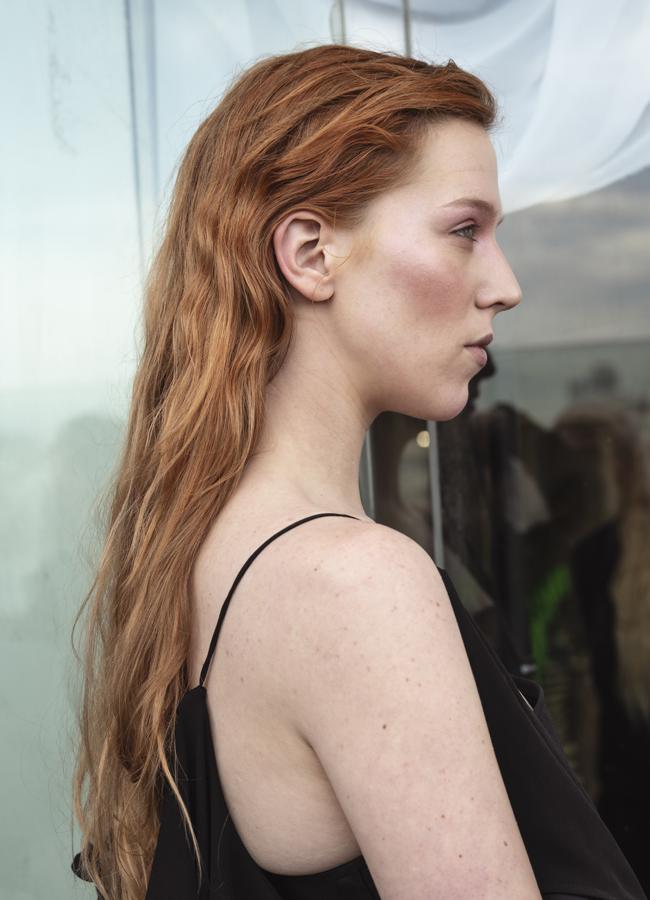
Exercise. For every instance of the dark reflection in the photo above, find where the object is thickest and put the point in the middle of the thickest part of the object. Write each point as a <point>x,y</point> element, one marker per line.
<point>402,486</point>
<point>509,497</point>
<point>549,528</point>
<point>610,576</point>
<point>546,535</point>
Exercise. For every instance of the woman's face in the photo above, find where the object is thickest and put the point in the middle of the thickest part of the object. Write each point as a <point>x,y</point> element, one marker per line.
<point>424,278</point>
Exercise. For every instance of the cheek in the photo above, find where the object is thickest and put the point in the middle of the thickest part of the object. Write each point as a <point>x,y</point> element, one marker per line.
<point>404,309</point>
<point>405,322</point>
<point>428,291</point>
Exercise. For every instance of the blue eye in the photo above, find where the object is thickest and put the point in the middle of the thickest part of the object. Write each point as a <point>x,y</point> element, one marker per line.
<point>466,228</point>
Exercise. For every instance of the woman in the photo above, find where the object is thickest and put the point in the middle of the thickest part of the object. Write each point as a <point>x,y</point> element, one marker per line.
<point>330,253</point>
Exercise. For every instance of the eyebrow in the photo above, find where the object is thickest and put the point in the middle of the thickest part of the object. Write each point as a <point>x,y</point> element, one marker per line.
<point>477,203</point>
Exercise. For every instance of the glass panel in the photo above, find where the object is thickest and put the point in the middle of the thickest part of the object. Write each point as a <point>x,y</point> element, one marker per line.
<point>401,476</point>
<point>70,271</point>
<point>101,100</point>
<point>545,488</point>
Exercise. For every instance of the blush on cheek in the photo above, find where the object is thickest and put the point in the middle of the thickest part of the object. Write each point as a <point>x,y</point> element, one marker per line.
<point>430,288</point>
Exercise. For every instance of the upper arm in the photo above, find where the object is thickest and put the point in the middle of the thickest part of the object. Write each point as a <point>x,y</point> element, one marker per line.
<point>384,693</point>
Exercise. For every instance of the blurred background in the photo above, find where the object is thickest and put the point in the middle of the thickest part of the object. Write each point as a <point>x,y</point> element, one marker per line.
<point>536,498</point>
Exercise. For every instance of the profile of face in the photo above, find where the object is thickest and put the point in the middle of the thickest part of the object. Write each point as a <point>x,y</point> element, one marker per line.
<point>406,291</point>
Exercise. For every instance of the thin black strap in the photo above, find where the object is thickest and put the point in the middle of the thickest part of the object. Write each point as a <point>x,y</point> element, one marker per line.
<point>224,608</point>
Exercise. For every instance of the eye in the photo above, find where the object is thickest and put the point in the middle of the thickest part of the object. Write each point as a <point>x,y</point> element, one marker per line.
<point>466,228</point>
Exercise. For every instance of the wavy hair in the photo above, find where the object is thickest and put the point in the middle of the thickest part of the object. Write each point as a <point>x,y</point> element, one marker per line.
<point>328,129</point>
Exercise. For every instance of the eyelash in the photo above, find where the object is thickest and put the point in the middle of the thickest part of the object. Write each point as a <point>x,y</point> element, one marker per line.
<point>464,228</point>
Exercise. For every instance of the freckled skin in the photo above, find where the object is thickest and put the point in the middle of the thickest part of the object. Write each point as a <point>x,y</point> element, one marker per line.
<point>412,292</point>
<point>381,316</point>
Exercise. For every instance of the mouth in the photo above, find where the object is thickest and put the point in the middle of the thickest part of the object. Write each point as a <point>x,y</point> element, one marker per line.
<point>482,342</point>
<point>478,352</point>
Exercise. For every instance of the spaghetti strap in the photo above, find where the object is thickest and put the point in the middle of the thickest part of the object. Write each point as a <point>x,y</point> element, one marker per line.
<point>240,574</point>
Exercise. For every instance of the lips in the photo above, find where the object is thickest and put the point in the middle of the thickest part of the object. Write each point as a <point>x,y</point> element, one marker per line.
<point>482,342</point>
<point>479,353</point>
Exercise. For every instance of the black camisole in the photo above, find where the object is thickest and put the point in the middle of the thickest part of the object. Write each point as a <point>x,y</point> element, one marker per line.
<point>573,854</point>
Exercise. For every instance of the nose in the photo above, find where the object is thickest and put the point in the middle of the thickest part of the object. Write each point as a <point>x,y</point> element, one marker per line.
<point>500,287</point>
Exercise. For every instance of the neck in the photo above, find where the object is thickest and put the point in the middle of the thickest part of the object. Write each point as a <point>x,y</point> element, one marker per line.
<point>311,445</point>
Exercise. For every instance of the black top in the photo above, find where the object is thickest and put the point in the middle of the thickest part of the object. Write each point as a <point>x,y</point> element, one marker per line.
<point>572,853</point>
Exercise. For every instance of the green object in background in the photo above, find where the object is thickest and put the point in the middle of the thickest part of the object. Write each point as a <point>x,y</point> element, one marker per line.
<point>543,605</point>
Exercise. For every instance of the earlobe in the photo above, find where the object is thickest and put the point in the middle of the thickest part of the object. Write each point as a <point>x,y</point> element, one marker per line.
<point>298,243</point>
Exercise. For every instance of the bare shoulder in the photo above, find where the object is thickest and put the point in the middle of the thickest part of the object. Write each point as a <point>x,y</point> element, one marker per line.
<point>362,568</point>
<point>348,548</point>
<point>383,692</point>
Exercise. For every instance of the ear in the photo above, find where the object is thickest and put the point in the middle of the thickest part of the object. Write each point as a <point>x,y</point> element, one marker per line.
<point>302,243</point>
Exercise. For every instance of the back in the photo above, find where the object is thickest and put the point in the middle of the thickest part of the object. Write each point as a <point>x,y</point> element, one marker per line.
<point>571,851</point>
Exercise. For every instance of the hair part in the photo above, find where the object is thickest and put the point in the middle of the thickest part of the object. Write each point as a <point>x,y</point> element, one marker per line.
<point>325,129</point>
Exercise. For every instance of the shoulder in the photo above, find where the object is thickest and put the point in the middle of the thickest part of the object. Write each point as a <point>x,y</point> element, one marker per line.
<point>381,689</point>
<point>364,588</point>
<point>339,550</point>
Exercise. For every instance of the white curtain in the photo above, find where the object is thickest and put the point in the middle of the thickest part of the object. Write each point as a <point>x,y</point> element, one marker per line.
<point>572,78</point>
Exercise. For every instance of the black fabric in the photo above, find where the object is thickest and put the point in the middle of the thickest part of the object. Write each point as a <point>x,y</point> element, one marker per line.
<point>572,852</point>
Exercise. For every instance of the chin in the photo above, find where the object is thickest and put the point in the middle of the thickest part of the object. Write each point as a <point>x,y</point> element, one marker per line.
<point>450,408</point>
<point>432,407</point>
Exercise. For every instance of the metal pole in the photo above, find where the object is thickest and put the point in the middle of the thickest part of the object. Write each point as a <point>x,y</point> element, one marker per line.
<point>436,500</point>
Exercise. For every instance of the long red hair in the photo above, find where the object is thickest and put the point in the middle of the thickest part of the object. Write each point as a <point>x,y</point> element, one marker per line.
<point>327,129</point>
